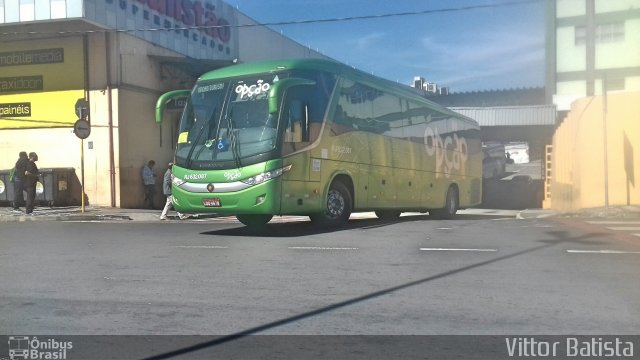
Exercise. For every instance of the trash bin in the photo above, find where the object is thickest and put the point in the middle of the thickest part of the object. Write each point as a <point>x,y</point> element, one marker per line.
<point>5,184</point>
<point>52,188</point>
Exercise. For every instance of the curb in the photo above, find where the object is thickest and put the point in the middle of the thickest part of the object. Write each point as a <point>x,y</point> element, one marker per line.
<point>535,214</point>
<point>29,218</point>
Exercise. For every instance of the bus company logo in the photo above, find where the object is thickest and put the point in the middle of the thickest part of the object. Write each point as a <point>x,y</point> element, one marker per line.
<point>32,348</point>
<point>434,144</point>
<point>232,175</point>
<point>250,91</point>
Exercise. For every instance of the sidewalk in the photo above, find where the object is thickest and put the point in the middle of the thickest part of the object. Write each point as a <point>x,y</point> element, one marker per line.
<point>91,213</point>
<point>101,213</point>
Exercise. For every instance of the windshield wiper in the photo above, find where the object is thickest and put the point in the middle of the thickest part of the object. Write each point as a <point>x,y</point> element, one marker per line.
<point>198,136</point>
<point>233,139</point>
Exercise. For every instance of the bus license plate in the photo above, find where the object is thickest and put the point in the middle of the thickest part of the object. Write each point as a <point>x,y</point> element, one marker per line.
<point>215,202</point>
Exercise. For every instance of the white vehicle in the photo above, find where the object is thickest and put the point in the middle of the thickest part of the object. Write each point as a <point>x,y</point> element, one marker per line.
<point>518,152</point>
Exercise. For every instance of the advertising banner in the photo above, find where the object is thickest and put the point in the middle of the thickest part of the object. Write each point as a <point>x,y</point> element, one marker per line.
<point>40,83</point>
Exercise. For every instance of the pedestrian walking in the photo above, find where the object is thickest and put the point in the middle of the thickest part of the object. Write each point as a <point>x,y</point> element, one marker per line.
<point>149,181</point>
<point>18,181</point>
<point>166,189</point>
<point>30,180</point>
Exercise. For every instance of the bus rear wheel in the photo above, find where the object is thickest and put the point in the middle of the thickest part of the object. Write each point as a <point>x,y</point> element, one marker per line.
<point>337,208</point>
<point>450,206</point>
<point>254,220</point>
<point>388,215</point>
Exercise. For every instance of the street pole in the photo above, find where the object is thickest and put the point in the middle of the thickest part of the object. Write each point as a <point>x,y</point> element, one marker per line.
<point>604,131</point>
<point>82,173</point>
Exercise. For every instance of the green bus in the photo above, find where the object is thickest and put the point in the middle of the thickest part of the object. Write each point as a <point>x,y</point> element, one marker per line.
<point>318,138</point>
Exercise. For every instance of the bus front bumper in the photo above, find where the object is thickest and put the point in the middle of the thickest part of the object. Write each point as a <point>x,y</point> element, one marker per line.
<point>259,199</point>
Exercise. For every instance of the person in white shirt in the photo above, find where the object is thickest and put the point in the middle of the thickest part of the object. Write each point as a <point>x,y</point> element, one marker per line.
<point>166,189</point>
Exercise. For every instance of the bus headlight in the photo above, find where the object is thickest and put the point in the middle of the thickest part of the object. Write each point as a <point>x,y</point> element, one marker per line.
<point>177,181</point>
<point>266,176</point>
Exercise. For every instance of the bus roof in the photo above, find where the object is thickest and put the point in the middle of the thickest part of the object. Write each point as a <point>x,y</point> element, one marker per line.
<point>328,66</point>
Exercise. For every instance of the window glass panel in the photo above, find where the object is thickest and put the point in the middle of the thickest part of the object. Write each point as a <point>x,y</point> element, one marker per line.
<point>12,11</point>
<point>43,9</point>
<point>58,9</point>
<point>27,10</point>
<point>354,110</point>
<point>610,32</point>
<point>581,35</point>
<point>388,112</point>
<point>74,8</point>
<point>304,110</point>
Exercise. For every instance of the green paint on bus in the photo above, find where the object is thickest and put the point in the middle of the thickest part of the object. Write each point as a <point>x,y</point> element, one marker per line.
<point>318,138</point>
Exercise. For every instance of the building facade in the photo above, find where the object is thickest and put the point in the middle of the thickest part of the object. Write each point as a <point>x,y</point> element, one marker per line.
<point>593,78</point>
<point>591,45</point>
<point>118,56</point>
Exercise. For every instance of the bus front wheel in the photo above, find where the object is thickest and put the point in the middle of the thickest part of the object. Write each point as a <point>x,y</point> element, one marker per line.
<point>337,208</point>
<point>450,206</point>
<point>254,220</point>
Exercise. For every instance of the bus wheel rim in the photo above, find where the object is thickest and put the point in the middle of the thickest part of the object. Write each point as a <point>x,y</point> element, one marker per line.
<point>335,203</point>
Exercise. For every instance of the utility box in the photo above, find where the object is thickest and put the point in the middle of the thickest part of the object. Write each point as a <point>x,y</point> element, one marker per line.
<point>53,187</point>
<point>5,184</point>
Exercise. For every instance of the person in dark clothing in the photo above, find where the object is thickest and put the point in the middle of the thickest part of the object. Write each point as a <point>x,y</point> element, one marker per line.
<point>18,182</point>
<point>149,181</point>
<point>30,180</point>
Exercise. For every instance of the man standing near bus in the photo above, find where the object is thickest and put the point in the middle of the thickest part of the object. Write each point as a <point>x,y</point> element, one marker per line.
<point>166,189</point>
<point>149,181</point>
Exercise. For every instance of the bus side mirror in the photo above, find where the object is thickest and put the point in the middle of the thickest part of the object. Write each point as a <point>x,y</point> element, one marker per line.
<point>165,99</point>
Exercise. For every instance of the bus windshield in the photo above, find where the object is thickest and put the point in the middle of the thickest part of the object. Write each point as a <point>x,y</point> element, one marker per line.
<point>225,122</point>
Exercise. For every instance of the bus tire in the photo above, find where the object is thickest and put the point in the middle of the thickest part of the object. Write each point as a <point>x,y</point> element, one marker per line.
<point>388,215</point>
<point>450,206</point>
<point>337,206</point>
<point>254,220</point>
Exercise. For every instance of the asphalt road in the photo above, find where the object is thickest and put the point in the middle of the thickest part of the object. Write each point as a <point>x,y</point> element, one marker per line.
<point>472,275</point>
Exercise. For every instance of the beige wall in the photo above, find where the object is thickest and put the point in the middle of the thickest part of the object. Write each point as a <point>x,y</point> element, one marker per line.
<point>124,113</point>
<point>139,81</point>
<point>122,81</point>
<point>578,180</point>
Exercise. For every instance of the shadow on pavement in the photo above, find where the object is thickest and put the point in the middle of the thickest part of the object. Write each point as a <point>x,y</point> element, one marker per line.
<point>555,238</point>
<point>306,228</point>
